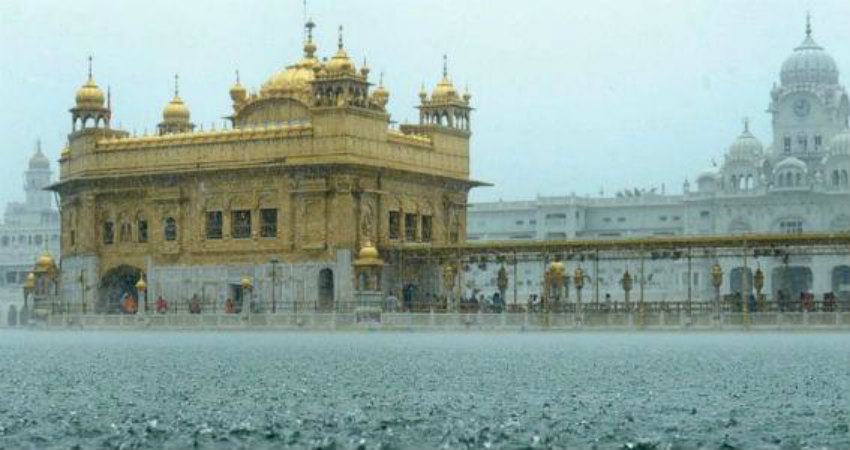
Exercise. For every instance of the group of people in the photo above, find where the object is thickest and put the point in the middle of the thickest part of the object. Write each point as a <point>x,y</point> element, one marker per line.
<point>130,305</point>
<point>806,302</point>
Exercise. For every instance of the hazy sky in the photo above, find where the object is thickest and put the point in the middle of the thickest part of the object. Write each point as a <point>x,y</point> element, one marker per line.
<point>569,96</point>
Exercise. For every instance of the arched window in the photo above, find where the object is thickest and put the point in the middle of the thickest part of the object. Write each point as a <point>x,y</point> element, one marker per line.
<point>170,229</point>
<point>326,290</point>
<point>835,178</point>
<point>844,180</point>
<point>798,180</point>
<point>108,232</point>
<point>125,231</point>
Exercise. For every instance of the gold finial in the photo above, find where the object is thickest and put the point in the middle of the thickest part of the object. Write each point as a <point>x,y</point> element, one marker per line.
<point>237,76</point>
<point>309,26</point>
<point>176,85</point>
<point>340,38</point>
<point>381,79</point>
<point>445,66</point>
<point>808,23</point>
<point>89,67</point>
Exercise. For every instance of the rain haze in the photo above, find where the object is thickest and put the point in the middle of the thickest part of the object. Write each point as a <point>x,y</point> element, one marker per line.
<point>575,231</point>
<point>569,96</point>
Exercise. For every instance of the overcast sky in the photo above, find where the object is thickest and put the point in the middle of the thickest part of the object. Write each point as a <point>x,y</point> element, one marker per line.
<point>569,96</point>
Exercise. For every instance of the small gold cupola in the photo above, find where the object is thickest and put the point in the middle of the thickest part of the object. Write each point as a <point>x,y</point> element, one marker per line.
<point>91,106</point>
<point>175,115</point>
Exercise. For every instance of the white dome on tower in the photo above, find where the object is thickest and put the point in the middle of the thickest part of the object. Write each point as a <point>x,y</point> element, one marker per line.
<point>809,64</point>
<point>746,146</point>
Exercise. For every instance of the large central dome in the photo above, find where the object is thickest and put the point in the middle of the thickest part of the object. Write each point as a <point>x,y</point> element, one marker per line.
<point>295,79</point>
<point>809,64</point>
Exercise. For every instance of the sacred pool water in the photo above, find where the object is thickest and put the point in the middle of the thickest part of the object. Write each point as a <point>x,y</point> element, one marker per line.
<point>385,391</point>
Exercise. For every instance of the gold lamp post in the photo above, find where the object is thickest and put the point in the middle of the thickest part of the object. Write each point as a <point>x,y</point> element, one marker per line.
<point>247,284</point>
<point>578,280</point>
<point>450,271</point>
<point>502,282</point>
<point>758,281</point>
<point>142,287</point>
<point>717,281</point>
<point>627,286</point>
<point>555,283</point>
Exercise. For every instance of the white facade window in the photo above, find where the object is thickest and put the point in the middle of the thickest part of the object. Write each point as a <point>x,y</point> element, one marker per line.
<point>787,144</point>
<point>791,226</point>
<point>803,143</point>
<point>818,142</point>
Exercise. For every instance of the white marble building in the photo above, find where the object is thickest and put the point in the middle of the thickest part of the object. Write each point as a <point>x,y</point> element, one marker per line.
<point>798,183</point>
<point>28,229</point>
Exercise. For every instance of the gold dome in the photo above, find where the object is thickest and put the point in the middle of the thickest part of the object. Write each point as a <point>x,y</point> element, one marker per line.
<point>381,96</point>
<point>90,95</point>
<point>238,93</point>
<point>295,79</point>
<point>340,64</point>
<point>368,256</point>
<point>141,285</point>
<point>45,261</point>
<point>29,283</point>
<point>66,153</point>
<point>445,90</point>
<point>368,251</point>
<point>175,111</point>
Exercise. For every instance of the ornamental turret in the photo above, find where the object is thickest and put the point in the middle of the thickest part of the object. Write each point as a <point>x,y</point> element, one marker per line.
<point>338,83</point>
<point>91,107</point>
<point>175,115</point>
<point>238,93</point>
<point>445,107</point>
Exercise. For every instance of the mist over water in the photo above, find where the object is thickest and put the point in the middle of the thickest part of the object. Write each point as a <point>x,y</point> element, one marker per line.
<point>381,391</point>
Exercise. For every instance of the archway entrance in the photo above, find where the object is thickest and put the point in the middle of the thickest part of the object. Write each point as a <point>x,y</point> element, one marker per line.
<point>740,277</point>
<point>115,286</point>
<point>841,281</point>
<point>792,280</point>
<point>326,290</point>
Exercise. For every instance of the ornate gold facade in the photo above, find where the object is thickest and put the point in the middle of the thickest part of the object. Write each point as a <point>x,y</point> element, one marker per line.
<point>311,165</point>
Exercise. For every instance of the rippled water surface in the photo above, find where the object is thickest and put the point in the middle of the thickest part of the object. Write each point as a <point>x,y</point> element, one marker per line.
<point>374,391</point>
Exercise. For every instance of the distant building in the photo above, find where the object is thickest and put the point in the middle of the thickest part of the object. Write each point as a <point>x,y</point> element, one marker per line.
<point>797,184</point>
<point>28,229</point>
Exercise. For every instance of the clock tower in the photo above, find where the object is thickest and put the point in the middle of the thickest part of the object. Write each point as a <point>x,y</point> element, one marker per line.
<point>809,106</point>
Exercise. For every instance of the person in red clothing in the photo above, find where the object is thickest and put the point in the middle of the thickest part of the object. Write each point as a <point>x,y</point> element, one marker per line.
<point>130,304</point>
<point>161,305</point>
